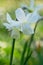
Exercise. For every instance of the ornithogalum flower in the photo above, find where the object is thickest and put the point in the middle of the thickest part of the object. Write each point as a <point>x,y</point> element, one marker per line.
<point>26,20</point>
<point>23,23</point>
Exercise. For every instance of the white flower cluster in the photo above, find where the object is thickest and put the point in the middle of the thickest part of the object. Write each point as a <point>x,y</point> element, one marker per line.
<point>23,23</point>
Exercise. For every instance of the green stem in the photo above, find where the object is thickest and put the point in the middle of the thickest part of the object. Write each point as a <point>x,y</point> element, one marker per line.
<point>32,37</point>
<point>27,58</point>
<point>23,53</point>
<point>11,58</point>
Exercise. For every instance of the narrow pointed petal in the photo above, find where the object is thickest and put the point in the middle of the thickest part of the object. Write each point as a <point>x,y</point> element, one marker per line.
<point>20,15</point>
<point>32,4</point>
<point>9,19</point>
<point>8,26</point>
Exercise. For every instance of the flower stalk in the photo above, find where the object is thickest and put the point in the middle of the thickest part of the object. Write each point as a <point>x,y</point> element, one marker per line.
<point>27,58</point>
<point>23,54</point>
<point>13,45</point>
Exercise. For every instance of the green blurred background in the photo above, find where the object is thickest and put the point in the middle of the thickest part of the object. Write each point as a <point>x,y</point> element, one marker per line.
<point>6,41</point>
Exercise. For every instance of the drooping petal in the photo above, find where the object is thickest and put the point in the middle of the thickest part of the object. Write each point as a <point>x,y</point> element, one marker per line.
<point>34,17</point>
<point>9,19</point>
<point>8,26</point>
<point>26,29</point>
<point>15,33</point>
<point>20,15</point>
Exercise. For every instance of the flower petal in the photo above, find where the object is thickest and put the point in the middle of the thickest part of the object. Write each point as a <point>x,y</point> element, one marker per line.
<point>20,15</point>
<point>32,4</point>
<point>9,20</point>
<point>16,24</point>
<point>38,7</point>
<point>15,33</point>
<point>26,29</point>
<point>8,26</point>
<point>33,17</point>
<point>28,16</point>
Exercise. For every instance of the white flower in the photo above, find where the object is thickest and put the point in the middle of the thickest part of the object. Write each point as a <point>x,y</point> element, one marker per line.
<point>24,23</point>
<point>12,26</point>
<point>26,20</point>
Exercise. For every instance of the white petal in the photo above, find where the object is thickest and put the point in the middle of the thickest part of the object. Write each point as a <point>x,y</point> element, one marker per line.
<point>9,20</point>
<point>32,4</point>
<point>16,24</point>
<point>38,7</point>
<point>34,17</point>
<point>15,34</point>
<point>8,26</point>
<point>26,29</point>
<point>20,15</point>
<point>28,17</point>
